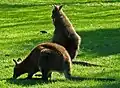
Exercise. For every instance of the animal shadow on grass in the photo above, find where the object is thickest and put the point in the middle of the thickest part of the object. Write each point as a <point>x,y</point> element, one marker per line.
<point>102,42</point>
<point>26,82</point>
<point>33,81</point>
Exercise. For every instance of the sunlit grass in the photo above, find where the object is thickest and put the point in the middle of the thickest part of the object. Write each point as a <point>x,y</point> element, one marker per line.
<point>96,21</point>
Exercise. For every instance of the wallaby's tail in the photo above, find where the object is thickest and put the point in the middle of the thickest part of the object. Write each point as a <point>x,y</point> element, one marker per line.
<point>85,63</point>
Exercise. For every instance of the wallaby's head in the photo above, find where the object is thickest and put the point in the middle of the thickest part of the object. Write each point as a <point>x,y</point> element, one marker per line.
<point>56,14</point>
<point>17,68</point>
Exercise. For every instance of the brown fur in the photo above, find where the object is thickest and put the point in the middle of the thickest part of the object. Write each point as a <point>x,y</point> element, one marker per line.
<point>64,33</point>
<point>45,57</point>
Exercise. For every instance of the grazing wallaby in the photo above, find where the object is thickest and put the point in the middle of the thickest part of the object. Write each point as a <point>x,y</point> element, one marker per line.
<point>65,33</point>
<point>46,57</point>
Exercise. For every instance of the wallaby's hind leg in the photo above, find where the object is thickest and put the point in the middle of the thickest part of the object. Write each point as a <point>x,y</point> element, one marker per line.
<point>50,75</point>
<point>45,75</point>
<point>67,71</point>
<point>67,74</point>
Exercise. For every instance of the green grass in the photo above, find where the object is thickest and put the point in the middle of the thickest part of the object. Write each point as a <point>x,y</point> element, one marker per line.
<point>96,21</point>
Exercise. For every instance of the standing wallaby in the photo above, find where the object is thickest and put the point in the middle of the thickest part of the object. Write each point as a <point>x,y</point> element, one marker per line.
<point>64,33</point>
<point>46,57</point>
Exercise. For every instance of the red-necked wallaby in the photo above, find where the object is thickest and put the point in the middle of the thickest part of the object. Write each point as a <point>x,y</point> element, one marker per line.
<point>65,33</point>
<point>46,57</point>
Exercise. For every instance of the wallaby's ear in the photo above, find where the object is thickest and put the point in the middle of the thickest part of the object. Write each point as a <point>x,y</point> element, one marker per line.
<point>19,60</point>
<point>54,7</point>
<point>60,7</point>
<point>15,62</point>
<point>57,8</point>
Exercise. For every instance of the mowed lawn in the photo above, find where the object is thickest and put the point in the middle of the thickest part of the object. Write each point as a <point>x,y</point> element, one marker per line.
<point>96,21</point>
